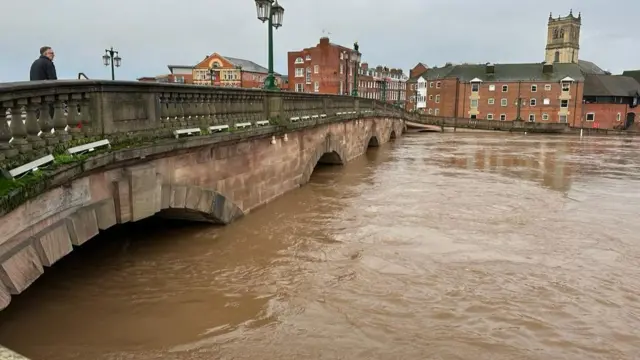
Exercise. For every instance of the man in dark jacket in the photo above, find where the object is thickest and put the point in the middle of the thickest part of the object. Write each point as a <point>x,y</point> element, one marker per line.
<point>43,68</point>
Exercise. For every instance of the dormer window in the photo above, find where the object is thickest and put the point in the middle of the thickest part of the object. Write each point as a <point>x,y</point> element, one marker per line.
<point>299,61</point>
<point>308,58</point>
<point>475,85</point>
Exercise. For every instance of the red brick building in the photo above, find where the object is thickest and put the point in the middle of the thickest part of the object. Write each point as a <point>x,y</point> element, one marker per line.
<point>610,101</point>
<point>382,83</point>
<point>326,68</point>
<point>232,72</point>
<point>181,74</point>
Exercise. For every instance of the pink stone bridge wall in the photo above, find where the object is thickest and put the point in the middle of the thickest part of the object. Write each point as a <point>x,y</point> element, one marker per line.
<point>217,183</point>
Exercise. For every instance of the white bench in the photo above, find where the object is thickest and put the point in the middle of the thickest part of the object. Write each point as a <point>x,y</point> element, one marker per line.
<point>187,132</point>
<point>294,119</point>
<point>339,113</point>
<point>315,116</point>
<point>306,117</point>
<point>262,123</point>
<point>218,128</point>
<point>89,147</point>
<point>32,166</point>
<point>323,116</point>
<point>243,125</point>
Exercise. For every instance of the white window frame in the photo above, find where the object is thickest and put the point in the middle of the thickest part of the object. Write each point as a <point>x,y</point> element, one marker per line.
<point>316,69</point>
<point>532,102</point>
<point>437,99</point>
<point>341,68</point>
<point>489,116</point>
<point>299,72</point>
<point>299,87</point>
<point>429,111</point>
<point>505,88</point>
<point>566,86</point>
<point>619,117</point>
<point>534,88</point>
<point>492,87</point>
<point>564,107</point>
<point>547,87</point>
<point>504,102</point>
<point>532,117</point>
<point>472,103</point>
<point>308,58</point>
<point>431,84</point>
<point>545,117</point>
<point>566,119</point>
<point>438,84</point>
<point>316,86</point>
<point>491,101</point>
<point>299,60</point>
<point>475,87</point>
<point>436,112</point>
<point>546,101</point>
<point>503,117</point>
<point>430,97</point>
<point>593,117</point>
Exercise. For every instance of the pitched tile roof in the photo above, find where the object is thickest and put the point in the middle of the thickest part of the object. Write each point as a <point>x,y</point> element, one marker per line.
<point>611,85</point>
<point>589,68</point>
<point>505,72</point>
<point>248,65</point>
<point>632,73</point>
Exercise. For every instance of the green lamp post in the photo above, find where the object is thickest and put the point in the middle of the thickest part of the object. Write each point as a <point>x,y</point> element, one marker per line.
<point>270,11</point>
<point>356,61</point>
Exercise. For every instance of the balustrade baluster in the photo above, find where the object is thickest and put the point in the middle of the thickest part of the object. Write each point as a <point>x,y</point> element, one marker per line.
<point>18,129</point>
<point>215,108</point>
<point>85,115</point>
<point>165,112</point>
<point>31,123</point>
<point>222,109</point>
<point>208,108</point>
<point>180,111</point>
<point>45,120</point>
<point>73,118</point>
<point>195,109</point>
<point>187,104</point>
<point>59,119</point>
<point>6,150</point>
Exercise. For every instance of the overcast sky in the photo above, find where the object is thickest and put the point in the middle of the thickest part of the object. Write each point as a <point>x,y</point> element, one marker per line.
<point>153,33</point>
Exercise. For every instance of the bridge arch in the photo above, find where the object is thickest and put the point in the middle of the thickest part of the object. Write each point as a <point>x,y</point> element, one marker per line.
<point>330,151</point>
<point>195,203</point>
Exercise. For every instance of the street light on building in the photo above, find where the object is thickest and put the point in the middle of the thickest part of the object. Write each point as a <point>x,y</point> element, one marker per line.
<point>111,57</point>
<point>270,11</point>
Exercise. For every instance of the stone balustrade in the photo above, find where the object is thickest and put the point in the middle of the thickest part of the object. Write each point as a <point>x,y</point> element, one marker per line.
<point>48,116</point>
<point>483,124</point>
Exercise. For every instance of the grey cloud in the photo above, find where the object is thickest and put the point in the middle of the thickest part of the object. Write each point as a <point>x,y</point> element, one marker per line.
<point>153,33</point>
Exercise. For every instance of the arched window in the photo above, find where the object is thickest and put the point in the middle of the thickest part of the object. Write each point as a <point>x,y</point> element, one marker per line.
<point>299,61</point>
<point>556,57</point>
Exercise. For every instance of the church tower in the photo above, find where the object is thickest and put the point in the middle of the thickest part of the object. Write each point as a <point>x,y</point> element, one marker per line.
<point>563,39</point>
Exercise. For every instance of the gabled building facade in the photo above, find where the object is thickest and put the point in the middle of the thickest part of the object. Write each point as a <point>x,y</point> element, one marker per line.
<point>610,101</point>
<point>225,71</point>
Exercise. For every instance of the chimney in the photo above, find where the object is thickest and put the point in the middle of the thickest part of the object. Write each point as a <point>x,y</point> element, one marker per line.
<point>324,41</point>
<point>491,69</point>
<point>547,68</point>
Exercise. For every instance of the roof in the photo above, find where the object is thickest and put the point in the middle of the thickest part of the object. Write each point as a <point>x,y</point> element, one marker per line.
<point>248,65</point>
<point>589,68</point>
<point>611,85</point>
<point>180,66</point>
<point>632,73</point>
<point>505,72</point>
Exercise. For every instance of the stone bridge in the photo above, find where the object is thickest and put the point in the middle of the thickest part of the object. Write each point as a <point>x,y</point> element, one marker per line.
<point>82,156</point>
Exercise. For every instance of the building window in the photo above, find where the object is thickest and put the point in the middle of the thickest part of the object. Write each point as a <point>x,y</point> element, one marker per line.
<point>562,119</point>
<point>564,103</point>
<point>431,84</point>
<point>532,102</point>
<point>534,88</point>
<point>546,101</point>
<point>316,86</point>
<point>429,111</point>
<point>430,97</point>
<point>436,112</point>
<point>545,116</point>
<point>491,101</point>
<point>492,88</point>
<point>299,72</point>
<point>341,69</point>
<point>341,56</point>
<point>341,87</point>
<point>308,58</point>
<point>503,102</point>
<point>566,86</point>
<point>475,87</point>
<point>316,69</point>
<point>618,117</point>
<point>489,116</point>
<point>503,117</point>
<point>299,87</point>
<point>547,87</point>
<point>438,85</point>
<point>591,117</point>
<point>505,88</point>
<point>438,99</point>
<point>299,61</point>
<point>308,78</point>
<point>474,103</point>
<point>532,118</point>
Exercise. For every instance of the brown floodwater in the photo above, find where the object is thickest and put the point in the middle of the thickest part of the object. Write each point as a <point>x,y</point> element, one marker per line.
<point>436,246</point>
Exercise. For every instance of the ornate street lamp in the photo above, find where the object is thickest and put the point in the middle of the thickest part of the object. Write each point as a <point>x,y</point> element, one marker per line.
<point>111,57</point>
<point>356,60</point>
<point>270,11</point>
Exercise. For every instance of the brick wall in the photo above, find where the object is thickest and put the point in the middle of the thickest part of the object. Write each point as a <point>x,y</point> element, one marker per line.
<point>324,63</point>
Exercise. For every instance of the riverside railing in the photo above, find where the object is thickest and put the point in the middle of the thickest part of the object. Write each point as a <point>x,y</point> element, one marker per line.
<point>52,116</point>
